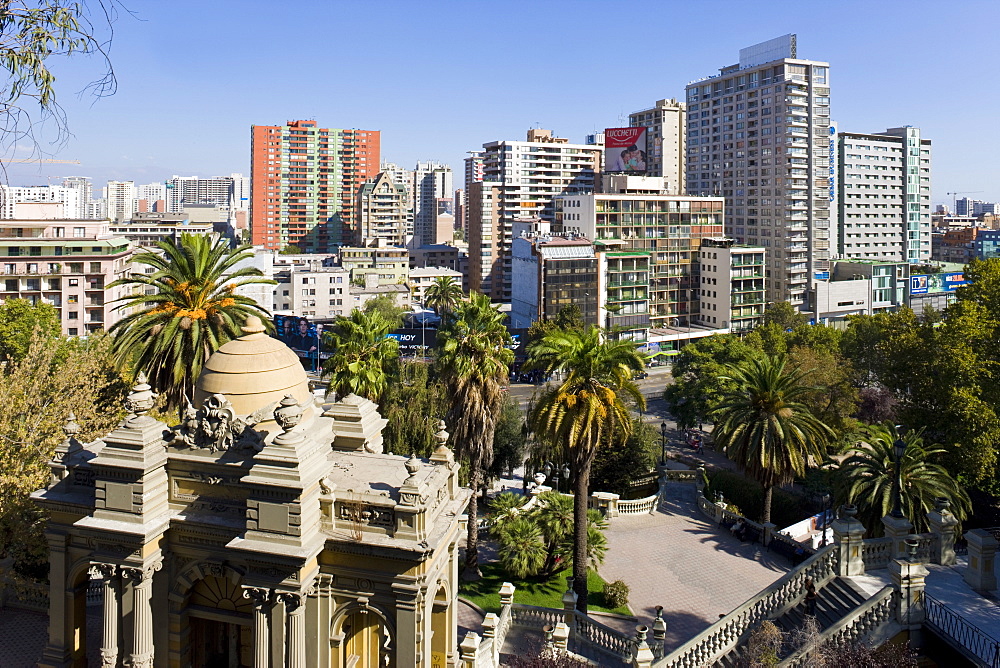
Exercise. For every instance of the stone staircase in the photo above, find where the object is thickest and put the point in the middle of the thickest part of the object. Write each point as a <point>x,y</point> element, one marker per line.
<point>836,599</point>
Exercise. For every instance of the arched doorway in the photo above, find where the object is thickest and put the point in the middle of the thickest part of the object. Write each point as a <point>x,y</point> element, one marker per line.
<point>367,642</point>
<point>220,623</point>
<point>439,628</point>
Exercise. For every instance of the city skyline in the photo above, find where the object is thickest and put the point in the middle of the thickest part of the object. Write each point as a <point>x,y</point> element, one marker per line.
<point>879,80</point>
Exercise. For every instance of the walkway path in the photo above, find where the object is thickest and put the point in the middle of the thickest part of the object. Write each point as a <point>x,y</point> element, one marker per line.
<point>685,563</point>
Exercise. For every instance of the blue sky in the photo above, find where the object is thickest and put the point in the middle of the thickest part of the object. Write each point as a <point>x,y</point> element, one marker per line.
<point>441,78</point>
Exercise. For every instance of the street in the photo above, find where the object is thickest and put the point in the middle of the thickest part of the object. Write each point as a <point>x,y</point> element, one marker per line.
<point>651,387</point>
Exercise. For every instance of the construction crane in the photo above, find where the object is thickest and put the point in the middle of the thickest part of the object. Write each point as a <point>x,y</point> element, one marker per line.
<point>13,161</point>
<point>954,198</point>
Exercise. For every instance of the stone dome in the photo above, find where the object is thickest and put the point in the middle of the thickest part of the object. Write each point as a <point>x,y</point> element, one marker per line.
<point>252,372</point>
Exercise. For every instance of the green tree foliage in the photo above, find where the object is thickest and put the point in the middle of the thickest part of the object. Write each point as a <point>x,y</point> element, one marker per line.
<point>363,357</point>
<point>443,295</point>
<point>699,379</point>
<point>19,319</point>
<point>539,541</point>
<point>568,317</point>
<point>585,412</point>
<point>615,467</point>
<point>413,403</point>
<point>194,308</point>
<point>509,439</point>
<point>290,249</point>
<point>784,315</point>
<point>54,378</point>
<point>867,477</point>
<point>764,425</point>
<point>33,33</point>
<point>473,361</point>
<point>833,394</point>
<point>386,306</point>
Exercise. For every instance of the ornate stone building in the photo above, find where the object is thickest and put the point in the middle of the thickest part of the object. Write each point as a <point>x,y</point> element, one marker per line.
<point>264,530</point>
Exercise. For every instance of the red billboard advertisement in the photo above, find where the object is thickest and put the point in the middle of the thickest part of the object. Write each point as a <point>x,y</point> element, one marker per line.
<point>625,150</point>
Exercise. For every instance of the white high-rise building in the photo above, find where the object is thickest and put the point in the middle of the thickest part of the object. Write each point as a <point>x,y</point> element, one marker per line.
<point>86,188</point>
<point>120,196</point>
<point>758,133</point>
<point>431,182</point>
<point>151,193</point>
<point>520,181</point>
<point>14,197</point>
<point>664,141</point>
<point>884,196</point>
<point>241,192</point>
<point>217,190</point>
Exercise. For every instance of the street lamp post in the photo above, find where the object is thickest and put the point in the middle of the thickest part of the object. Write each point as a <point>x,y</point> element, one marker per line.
<point>663,443</point>
<point>826,505</point>
<point>898,450</point>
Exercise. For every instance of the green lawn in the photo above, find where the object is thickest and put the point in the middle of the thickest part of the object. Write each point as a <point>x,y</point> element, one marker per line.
<point>532,591</point>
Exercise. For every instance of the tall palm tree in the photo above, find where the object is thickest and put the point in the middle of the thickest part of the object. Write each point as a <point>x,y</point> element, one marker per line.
<point>762,424</point>
<point>363,354</point>
<point>191,309</point>
<point>443,295</point>
<point>474,361</point>
<point>583,413</point>
<point>868,475</point>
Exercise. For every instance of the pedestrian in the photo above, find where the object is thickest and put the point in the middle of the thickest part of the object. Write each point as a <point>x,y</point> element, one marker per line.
<point>701,446</point>
<point>811,597</point>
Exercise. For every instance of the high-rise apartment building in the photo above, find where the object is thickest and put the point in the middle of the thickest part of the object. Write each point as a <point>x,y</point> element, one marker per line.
<point>649,241</point>
<point>383,208</point>
<point>86,188</point>
<point>230,191</point>
<point>523,178</point>
<point>730,288</point>
<point>758,134</point>
<point>474,171</point>
<point>151,197</point>
<point>974,207</point>
<point>884,196</point>
<point>305,182</point>
<point>664,141</point>
<point>121,199</point>
<point>431,182</point>
<point>13,198</point>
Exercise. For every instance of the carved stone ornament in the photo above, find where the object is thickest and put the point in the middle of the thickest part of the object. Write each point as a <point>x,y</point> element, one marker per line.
<point>139,575</point>
<point>142,398</point>
<point>258,595</point>
<point>103,571</point>
<point>288,414</point>
<point>216,427</point>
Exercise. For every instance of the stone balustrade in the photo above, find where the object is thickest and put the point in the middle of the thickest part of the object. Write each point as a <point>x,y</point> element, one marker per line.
<point>724,635</point>
<point>870,618</point>
<point>638,506</point>
<point>876,552</point>
<point>24,594</point>
<point>604,639</point>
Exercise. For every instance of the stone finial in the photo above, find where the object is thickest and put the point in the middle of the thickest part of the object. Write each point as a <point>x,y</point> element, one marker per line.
<point>288,414</point>
<point>848,511</point>
<point>441,435</point>
<point>942,505</point>
<point>412,465</point>
<point>142,398</point>
<point>71,428</point>
<point>253,325</point>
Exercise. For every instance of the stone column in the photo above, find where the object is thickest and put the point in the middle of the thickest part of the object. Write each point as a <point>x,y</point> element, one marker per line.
<point>982,551</point>
<point>643,657</point>
<point>897,528</point>
<point>142,613</point>
<point>569,599</point>
<point>261,599</point>
<point>296,644</point>
<point>849,536</point>
<point>409,633</point>
<point>560,636</point>
<point>943,524</point>
<point>909,580</point>
<point>59,650</point>
<point>111,616</point>
<point>469,649</point>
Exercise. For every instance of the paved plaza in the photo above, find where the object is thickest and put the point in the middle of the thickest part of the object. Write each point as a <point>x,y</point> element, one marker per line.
<point>678,559</point>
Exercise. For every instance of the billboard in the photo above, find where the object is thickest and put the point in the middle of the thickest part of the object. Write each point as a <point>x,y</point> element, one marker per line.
<point>625,150</point>
<point>922,284</point>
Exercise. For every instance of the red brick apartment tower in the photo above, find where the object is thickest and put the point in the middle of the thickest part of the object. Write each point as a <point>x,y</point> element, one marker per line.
<point>304,183</point>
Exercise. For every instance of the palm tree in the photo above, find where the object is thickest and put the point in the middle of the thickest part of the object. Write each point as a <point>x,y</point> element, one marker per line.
<point>868,474</point>
<point>762,424</point>
<point>363,354</point>
<point>191,309</point>
<point>443,295</point>
<point>583,413</point>
<point>474,361</point>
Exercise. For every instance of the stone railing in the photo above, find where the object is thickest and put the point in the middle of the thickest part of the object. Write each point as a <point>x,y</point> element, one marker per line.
<point>16,592</point>
<point>725,634</point>
<point>927,548</point>
<point>861,624</point>
<point>876,552</point>
<point>644,480</point>
<point>95,592</point>
<point>602,638</point>
<point>638,506</point>
<point>533,616</point>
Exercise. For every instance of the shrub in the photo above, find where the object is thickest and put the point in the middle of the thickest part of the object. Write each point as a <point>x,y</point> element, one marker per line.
<point>748,495</point>
<point>615,594</point>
